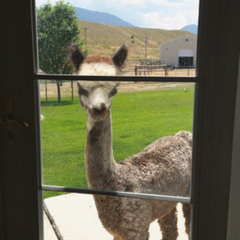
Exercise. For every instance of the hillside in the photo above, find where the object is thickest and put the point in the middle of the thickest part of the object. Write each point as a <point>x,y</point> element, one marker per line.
<point>105,39</point>
<point>100,17</point>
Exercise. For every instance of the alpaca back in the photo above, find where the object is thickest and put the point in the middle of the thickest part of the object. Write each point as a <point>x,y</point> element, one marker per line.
<point>163,167</point>
<point>186,135</point>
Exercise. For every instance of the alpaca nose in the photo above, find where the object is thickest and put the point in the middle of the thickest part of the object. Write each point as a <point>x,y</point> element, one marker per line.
<point>99,106</point>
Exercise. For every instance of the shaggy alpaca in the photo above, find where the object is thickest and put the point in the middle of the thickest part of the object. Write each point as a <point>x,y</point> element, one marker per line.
<point>163,167</point>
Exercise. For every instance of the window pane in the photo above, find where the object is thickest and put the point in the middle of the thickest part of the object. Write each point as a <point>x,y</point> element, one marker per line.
<point>75,216</point>
<point>161,35</point>
<point>141,114</point>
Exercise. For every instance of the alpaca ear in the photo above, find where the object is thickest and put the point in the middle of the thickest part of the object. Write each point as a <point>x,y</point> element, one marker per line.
<point>76,56</point>
<point>120,56</point>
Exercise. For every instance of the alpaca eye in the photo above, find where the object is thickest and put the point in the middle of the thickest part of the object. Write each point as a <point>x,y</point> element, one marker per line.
<point>83,92</point>
<point>112,93</point>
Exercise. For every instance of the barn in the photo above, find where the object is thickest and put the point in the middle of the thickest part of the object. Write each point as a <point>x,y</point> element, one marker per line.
<point>180,52</point>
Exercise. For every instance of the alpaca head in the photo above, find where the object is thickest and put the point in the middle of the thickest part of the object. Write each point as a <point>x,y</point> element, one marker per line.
<point>96,96</point>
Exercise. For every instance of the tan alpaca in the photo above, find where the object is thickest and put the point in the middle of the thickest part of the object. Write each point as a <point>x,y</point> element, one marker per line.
<point>163,167</point>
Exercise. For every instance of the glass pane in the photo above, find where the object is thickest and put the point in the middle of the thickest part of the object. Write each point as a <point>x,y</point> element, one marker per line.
<point>141,114</point>
<point>75,216</point>
<point>161,35</point>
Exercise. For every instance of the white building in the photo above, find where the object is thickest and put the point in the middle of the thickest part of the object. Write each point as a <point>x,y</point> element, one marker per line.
<point>180,52</point>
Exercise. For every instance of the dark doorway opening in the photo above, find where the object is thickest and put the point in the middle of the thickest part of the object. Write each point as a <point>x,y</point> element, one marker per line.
<point>185,61</point>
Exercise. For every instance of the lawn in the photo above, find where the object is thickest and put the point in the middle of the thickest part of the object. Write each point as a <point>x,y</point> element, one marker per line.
<point>137,118</point>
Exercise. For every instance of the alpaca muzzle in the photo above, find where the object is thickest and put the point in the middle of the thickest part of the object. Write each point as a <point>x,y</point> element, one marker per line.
<point>99,112</point>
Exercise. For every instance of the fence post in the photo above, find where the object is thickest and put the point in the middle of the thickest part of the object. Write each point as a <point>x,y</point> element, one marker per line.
<point>166,71</point>
<point>72,89</point>
<point>46,89</point>
<point>135,70</point>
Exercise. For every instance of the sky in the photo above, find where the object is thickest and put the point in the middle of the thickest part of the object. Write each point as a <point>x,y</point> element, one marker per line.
<point>161,14</point>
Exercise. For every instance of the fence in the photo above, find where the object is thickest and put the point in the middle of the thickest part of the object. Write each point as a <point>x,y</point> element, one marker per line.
<point>150,68</point>
<point>48,89</point>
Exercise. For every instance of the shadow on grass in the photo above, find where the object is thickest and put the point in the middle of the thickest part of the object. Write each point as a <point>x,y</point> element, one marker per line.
<point>54,103</point>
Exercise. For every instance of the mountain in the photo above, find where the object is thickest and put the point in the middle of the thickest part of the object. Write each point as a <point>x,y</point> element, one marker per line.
<point>193,28</point>
<point>100,17</point>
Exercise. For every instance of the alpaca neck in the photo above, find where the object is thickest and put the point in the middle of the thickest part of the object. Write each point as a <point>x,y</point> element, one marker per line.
<point>99,153</point>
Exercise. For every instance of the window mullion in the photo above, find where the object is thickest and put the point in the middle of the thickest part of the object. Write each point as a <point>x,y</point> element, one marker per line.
<point>117,194</point>
<point>115,78</point>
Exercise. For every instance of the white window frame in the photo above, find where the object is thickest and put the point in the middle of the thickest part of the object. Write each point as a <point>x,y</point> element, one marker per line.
<point>216,83</point>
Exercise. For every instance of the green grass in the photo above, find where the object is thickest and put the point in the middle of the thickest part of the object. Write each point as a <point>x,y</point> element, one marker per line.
<point>137,119</point>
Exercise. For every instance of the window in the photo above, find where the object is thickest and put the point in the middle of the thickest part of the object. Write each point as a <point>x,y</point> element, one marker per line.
<point>64,166</point>
<point>20,189</point>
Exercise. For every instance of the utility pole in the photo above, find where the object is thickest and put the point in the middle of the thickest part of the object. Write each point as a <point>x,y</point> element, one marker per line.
<point>85,30</point>
<point>146,42</point>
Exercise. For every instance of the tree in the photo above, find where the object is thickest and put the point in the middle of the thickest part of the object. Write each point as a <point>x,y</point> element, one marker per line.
<point>57,29</point>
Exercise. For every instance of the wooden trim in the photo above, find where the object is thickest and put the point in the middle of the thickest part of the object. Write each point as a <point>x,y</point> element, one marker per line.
<point>234,210</point>
<point>20,198</point>
<point>213,133</point>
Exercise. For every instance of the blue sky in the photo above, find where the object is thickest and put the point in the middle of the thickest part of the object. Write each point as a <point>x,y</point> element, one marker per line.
<point>162,14</point>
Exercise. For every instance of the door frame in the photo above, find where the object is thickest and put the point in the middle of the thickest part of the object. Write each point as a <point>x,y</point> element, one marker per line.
<point>217,73</point>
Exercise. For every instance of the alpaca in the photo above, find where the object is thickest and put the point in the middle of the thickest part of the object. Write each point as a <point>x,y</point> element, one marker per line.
<point>163,167</point>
